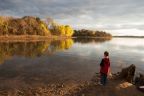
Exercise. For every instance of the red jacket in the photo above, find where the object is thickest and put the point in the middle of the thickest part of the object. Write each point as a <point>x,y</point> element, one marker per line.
<point>105,64</point>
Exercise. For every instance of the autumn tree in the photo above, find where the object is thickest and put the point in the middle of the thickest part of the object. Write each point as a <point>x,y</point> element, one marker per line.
<point>68,30</point>
<point>62,30</point>
<point>27,25</point>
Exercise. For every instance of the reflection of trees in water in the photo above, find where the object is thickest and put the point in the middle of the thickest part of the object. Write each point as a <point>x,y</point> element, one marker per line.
<point>90,40</point>
<point>61,45</point>
<point>27,49</point>
<point>31,49</point>
<point>35,49</point>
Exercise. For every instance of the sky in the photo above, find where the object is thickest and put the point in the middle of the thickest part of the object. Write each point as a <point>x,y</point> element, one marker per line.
<point>118,17</point>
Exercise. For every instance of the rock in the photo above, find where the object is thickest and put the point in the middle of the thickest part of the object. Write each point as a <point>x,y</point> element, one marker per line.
<point>139,81</point>
<point>128,73</point>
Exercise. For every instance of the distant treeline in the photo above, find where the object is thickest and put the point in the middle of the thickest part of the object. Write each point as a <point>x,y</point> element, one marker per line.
<point>90,33</point>
<point>29,25</point>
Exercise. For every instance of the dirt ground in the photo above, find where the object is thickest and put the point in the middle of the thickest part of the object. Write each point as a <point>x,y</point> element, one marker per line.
<point>114,87</point>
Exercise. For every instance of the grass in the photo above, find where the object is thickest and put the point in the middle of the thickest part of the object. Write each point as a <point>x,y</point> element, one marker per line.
<point>20,38</point>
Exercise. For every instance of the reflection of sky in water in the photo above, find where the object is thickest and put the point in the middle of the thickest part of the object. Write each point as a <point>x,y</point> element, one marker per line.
<point>123,52</point>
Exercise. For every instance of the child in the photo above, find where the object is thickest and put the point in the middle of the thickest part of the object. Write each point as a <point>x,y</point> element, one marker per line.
<point>104,68</point>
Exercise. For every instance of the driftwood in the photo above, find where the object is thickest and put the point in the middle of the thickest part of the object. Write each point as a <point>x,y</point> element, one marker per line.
<point>128,73</point>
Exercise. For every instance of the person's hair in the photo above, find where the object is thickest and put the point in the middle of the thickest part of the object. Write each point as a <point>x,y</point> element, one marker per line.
<point>106,53</point>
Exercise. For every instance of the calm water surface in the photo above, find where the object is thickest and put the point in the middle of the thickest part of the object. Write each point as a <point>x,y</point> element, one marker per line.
<point>37,63</point>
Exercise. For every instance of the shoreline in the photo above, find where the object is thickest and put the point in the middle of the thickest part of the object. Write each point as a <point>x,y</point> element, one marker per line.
<point>121,83</point>
<point>91,37</point>
<point>31,38</point>
<point>116,86</point>
<point>128,36</point>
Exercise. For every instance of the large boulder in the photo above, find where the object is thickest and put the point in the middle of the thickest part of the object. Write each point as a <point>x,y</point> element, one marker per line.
<point>139,80</point>
<point>128,73</point>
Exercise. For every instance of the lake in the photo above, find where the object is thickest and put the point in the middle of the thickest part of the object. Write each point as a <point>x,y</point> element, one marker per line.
<point>26,64</point>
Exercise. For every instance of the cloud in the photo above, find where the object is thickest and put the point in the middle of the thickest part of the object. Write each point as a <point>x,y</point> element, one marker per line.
<point>112,14</point>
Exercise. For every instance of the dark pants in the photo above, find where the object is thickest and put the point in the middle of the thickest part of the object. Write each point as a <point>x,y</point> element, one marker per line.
<point>103,78</point>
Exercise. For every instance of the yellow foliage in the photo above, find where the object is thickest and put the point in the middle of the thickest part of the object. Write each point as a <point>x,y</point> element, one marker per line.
<point>27,25</point>
<point>63,30</point>
<point>44,28</point>
<point>68,30</point>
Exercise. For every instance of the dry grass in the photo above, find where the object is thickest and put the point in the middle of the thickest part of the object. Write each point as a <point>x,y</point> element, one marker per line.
<point>27,38</point>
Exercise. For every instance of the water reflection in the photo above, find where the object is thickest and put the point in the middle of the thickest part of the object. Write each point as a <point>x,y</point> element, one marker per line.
<point>123,52</point>
<point>61,45</point>
<point>32,49</point>
<point>67,62</point>
<point>39,48</point>
<point>90,40</point>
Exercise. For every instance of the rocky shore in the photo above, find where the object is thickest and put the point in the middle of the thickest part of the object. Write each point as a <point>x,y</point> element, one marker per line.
<point>119,84</point>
